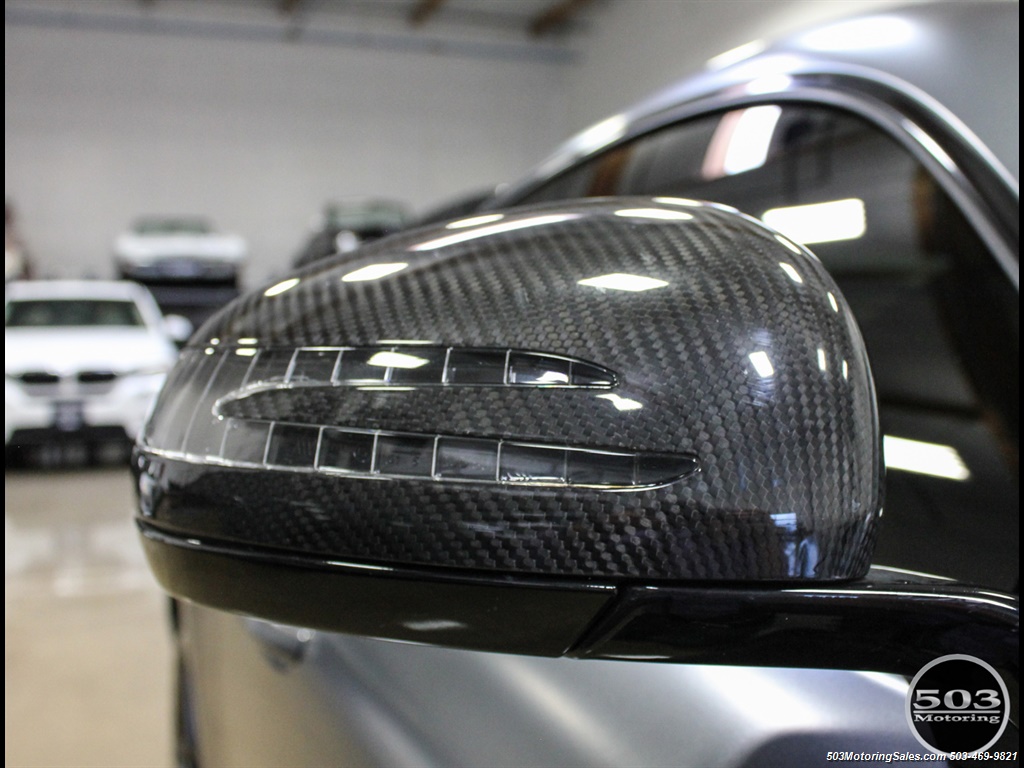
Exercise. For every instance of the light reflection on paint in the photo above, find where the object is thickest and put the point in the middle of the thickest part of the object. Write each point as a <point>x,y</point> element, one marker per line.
<point>374,272</point>
<point>820,222</point>
<point>396,360</point>
<point>789,244</point>
<point>736,55</point>
<point>924,458</point>
<point>653,213</point>
<point>493,229</point>
<point>622,403</point>
<point>475,221</point>
<point>284,285</point>
<point>769,84</point>
<point>861,34</point>
<point>762,364</point>
<point>678,201</point>
<point>602,133</point>
<point>741,141</point>
<point>791,272</point>
<point>618,281</point>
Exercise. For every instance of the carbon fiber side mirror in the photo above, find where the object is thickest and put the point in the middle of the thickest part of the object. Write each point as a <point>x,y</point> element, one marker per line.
<point>550,401</point>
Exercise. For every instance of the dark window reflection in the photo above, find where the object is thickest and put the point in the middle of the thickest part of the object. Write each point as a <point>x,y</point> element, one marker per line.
<point>939,317</point>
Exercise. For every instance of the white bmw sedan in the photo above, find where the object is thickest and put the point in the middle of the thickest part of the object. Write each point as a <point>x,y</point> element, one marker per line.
<point>83,358</point>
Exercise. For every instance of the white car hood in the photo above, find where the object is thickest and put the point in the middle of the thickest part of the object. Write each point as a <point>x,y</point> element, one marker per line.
<point>69,350</point>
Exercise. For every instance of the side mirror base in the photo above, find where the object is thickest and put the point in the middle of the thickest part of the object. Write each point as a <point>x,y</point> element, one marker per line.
<point>537,617</point>
<point>890,621</point>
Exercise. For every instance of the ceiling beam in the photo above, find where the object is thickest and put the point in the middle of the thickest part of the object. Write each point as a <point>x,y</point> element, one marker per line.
<point>423,10</point>
<point>555,16</point>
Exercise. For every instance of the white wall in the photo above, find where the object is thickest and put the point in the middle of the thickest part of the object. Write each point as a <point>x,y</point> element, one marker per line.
<point>102,126</point>
<point>639,46</point>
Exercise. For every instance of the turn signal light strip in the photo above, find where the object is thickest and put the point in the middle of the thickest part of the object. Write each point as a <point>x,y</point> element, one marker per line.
<point>377,454</point>
<point>190,424</point>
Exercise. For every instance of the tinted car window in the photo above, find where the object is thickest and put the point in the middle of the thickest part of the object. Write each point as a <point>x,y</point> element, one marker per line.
<point>939,317</point>
<point>53,313</point>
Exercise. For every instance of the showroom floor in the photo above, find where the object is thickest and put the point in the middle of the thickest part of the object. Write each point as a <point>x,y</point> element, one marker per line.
<point>87,657</point>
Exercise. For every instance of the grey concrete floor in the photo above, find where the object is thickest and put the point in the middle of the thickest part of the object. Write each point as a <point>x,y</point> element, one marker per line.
<point>87,656</point>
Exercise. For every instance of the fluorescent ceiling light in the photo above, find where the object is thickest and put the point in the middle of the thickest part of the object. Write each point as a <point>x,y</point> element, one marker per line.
<point>924,458</point>
<point>617,281</point>
<point>374,272</point>
<point>820,222</point>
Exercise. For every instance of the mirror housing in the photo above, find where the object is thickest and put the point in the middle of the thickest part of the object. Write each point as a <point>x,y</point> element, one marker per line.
<point>474,434</point>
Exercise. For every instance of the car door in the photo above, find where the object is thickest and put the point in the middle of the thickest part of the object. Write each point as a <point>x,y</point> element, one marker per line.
<point>938,313</point>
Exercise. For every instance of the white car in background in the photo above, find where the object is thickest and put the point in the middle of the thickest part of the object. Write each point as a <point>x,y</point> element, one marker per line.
<point>178,249</point>
<point>81,358</point>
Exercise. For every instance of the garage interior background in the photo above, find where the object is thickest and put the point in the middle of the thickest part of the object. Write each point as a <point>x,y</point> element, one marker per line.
<point>254,113</point>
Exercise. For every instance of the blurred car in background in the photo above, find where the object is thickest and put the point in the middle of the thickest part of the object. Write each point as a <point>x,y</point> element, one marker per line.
<point>348,223</point>
<point>190,267</point>
<point>179,248</point>
<point>82,360</point>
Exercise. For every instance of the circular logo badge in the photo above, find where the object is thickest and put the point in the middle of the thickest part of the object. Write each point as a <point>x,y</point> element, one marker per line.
<point>957,704</point>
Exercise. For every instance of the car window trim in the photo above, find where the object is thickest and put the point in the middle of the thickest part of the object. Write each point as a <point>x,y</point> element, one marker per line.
<point>979,189</point>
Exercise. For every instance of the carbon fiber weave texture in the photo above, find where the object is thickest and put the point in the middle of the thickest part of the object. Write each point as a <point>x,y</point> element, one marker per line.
<point>789,486</point>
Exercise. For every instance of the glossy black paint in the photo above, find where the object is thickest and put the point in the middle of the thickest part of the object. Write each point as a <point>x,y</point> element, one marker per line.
<point>538,617</point>
<point>890,621</point>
